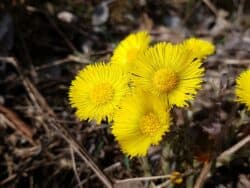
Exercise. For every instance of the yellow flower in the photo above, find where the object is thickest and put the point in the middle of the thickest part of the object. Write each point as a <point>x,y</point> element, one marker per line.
<point>243,88</point>
<point>97,91</point>
<point>128,49</point>
<point>176,177</point>
<point>141,121</point>
<point>169,71</point>
<point>199,48</point>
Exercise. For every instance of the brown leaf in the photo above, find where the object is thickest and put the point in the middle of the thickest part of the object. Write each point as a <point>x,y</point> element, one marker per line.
<point>146,23</point>
<point>16,123</point>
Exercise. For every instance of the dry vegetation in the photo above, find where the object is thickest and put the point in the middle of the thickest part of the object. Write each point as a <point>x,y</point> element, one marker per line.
<point>42,46</point>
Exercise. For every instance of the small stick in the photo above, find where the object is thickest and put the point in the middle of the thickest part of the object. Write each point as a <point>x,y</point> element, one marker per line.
<point>74,167</point>
<point>44,108</point>
<point>63,61</point>
<point>149,178</point>
<point>54,26</point>
<point>203,175</point>
<point>8,179</point>
<point>106,170</point>
<point>211,6</point>
<point>142,179</point>
<point>224,156</point>
<point>17,124</point>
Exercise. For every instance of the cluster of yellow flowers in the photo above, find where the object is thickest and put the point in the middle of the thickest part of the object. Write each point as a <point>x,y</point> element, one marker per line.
<point>137,88</point>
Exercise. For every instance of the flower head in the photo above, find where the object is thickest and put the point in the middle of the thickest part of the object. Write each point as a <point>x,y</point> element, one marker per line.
<point>199,48</point>
<point>176,177</point>
<point>169,71</point>
<point>97,91</point>
<point>243,88</point>
<point>141,121</point>
<point>128,49</point>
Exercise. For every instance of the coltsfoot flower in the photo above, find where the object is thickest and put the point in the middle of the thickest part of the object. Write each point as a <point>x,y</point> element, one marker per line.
<point>169,71</point>
<point>243,88</point>
<point>129,48</point>
<point>141,121</point>
<point>199,48</point>
<point>97,91</point>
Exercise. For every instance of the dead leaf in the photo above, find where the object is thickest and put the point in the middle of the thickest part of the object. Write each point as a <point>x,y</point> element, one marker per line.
<point>146,23</point>
<point>16,123</point>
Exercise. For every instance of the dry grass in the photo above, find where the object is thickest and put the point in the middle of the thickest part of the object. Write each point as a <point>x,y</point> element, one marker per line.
<point>44,145</point>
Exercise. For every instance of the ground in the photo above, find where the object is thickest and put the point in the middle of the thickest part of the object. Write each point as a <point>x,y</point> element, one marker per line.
<point>43,44</point>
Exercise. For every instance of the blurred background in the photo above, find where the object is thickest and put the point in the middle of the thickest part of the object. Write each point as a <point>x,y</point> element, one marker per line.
<point>43,44</point>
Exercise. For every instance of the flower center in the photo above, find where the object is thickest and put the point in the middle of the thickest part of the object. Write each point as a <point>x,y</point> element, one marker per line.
<point>149,124</point>
<point>102,94</point>
<point>165,80</point>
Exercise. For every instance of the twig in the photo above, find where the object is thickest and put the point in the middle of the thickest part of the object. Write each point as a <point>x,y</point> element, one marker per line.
<point>236,61</point>
<point>17,124</point>
<point>74,167</point>
<point>54,25</point>
<point>65,60</point>
<point>240,12</point>
<point>225,156</point>
<point>149,178</point>
<point>29,169</point>
<point>108,169</point>
<point>211,6</point>
<point>229,61</point>
<point>13,62</point>
<point>80,150</point>
<point>203,175</point>
<point>10,60</point>
<point>51,120</point>
<point>8,179</point>
<point>27,56</point>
